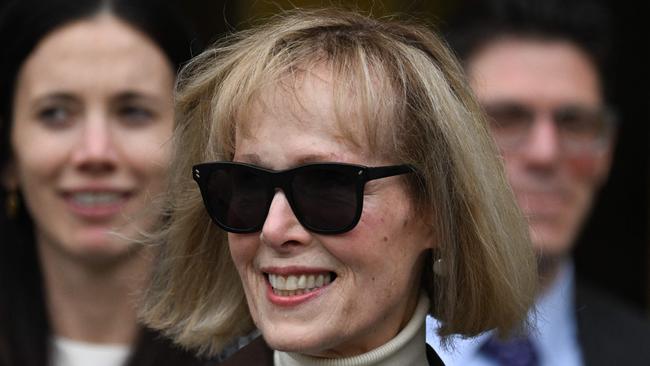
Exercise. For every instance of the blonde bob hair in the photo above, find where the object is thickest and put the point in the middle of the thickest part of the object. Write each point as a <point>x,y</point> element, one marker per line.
<point>413,105</point>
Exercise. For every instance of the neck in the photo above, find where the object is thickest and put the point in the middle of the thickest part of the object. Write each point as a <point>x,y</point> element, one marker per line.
<point>549,269</point>
<point>407,348</point>
<point>92,302</point>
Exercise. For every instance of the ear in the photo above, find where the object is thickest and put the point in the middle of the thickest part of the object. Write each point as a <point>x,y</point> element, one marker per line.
<point>428,225</point>
<point>432,243</point>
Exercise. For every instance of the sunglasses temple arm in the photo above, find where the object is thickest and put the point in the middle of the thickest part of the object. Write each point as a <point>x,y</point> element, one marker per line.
<point>388,171</point>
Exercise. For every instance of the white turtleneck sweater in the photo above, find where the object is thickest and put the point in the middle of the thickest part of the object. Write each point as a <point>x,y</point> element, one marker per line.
<point>406,349</point>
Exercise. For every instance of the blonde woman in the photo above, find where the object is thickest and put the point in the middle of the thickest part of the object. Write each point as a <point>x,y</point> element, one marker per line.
<point>347,187</point>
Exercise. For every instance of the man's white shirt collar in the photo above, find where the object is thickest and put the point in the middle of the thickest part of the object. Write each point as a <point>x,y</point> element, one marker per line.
<point>553,330</point>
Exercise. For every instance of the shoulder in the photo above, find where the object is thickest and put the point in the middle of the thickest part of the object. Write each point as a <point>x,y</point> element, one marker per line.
<point>153,348</point>
<point>609,331</point>
<point>604,311</point>
<point>256,353</point>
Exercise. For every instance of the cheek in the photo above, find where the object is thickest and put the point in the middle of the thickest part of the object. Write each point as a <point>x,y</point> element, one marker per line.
<point>243,248</point>
<point>38,170</point>
<point>41,160</point>
<point>147,151</point>
<point>587,168</point>
<point>384,247</point>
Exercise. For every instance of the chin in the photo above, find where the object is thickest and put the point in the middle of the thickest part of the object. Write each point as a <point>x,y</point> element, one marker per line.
<point>551,244</point>
<point>105,251</point>
<point>308,343</point>
<point>552,234</point>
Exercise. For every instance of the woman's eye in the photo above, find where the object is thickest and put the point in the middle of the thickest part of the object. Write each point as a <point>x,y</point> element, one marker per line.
<point>136,114</point>
<point>55,116</point>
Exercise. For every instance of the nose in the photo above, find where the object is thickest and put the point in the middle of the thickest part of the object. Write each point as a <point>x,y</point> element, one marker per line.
<point>542,147</point>
<point>95,149</point>
<point>282,230</point>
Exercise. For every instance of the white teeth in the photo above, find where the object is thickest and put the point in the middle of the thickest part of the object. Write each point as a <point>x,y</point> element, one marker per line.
<point>292,283</point>
<point>95,198</point>
<point>297,285</point>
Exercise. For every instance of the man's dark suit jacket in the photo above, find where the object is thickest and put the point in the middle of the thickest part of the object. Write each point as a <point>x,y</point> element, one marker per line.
<point>609,332</point>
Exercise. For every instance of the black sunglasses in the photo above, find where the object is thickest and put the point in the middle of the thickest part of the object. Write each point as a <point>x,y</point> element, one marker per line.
<point>327,198</point>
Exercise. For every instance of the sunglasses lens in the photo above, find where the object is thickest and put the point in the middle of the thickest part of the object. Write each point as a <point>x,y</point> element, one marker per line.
<point>237,198</point>
<point>326,197</point>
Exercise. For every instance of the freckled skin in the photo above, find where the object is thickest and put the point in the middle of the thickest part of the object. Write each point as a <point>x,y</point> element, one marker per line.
<point>378,264</point>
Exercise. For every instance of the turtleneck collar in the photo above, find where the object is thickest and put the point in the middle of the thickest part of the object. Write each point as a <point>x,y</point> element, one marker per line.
<point>407,348</point>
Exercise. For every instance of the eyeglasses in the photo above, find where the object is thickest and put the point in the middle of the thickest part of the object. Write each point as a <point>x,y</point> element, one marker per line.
<point>580,129</point>
<point>326,198</point>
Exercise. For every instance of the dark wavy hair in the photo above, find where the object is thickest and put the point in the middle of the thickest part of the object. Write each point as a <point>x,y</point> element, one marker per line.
<point>24,325</point>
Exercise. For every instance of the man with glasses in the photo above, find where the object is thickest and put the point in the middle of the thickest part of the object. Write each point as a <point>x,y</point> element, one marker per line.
<point>537,68</point>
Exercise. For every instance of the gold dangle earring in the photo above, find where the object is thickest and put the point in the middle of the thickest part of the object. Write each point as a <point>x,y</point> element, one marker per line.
<point>12,204</point>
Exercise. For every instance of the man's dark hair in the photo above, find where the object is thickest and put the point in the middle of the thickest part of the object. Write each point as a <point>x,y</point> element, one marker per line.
<point>584,23</point>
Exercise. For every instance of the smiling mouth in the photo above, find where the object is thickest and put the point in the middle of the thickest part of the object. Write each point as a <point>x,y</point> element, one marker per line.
<point>90,199</point>
<point>294,285</point>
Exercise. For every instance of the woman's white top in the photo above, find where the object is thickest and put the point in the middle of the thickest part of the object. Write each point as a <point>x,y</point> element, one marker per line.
<point>408,348</point>
<point>67,352</point>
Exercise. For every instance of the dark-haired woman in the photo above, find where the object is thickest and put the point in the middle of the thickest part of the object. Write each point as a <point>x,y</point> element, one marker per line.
<point>86,112</point>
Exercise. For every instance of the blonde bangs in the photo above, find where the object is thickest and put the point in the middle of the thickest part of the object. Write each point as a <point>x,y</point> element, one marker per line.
<point>364,92</point>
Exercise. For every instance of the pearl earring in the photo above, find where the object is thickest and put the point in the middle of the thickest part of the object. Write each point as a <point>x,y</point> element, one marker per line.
<point>439,267</point>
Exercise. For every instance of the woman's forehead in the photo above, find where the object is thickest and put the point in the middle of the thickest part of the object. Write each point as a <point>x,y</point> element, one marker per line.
<point>300,97</point>
<point>315,97</point>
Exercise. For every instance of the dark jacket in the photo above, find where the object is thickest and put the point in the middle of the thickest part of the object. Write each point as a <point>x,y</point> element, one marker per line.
<point>609,332</point>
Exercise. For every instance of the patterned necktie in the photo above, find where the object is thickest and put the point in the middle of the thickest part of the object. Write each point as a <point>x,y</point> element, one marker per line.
<point>512,352</point>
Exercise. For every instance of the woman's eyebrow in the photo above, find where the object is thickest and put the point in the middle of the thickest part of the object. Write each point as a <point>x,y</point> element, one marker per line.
<point>133,95</point>
<point>250,158</point>
<point>59,96</point>
<point>305,159</point>
<point>316,158</point>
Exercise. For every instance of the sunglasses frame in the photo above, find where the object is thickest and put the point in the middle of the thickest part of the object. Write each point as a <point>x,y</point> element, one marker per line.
<point>282,179</point>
